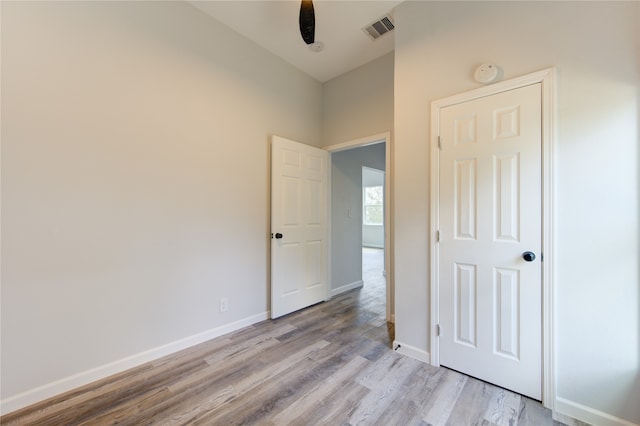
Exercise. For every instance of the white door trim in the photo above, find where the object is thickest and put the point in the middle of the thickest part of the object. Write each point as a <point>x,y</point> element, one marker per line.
<point>547,78</point>
<point>358,143</point>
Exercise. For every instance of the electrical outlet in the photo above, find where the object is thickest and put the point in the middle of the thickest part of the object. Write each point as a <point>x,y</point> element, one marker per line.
<point>224,304</point>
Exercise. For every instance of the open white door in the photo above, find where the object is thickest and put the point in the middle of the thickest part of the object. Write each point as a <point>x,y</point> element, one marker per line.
<point>299,252</point>
<point>490,227</point>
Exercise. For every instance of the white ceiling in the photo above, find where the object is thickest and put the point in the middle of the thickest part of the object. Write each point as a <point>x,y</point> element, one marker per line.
<point>273,24</point>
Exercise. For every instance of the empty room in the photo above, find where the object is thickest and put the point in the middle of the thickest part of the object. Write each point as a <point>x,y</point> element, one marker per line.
<point>180,243</point>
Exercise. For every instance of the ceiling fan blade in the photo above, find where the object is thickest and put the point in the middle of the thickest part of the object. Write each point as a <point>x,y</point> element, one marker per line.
<point>307,21</point>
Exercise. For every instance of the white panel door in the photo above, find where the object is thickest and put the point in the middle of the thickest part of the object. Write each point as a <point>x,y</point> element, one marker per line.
<point>490,290</point>
<point>299,226</point>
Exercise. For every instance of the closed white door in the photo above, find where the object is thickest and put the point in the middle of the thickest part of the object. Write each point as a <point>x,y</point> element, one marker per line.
<point>299,226</point>
<point>490,223</point>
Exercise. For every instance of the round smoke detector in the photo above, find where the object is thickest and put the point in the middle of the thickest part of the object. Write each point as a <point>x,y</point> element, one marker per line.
<point>487,73</point>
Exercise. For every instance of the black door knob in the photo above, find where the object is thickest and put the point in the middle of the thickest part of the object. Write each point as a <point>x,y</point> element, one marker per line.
<point>278,235</point>
<point>529,256</point>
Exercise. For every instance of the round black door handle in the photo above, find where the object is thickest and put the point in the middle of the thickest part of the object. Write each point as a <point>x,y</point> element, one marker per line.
<point>278,235</point>
<point>529,256</point>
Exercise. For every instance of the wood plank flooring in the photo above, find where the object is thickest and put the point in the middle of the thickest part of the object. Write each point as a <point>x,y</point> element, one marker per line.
<point>330,364</point>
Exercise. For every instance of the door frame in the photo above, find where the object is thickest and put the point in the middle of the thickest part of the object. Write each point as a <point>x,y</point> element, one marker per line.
<point>358,143</point>
<point>547,79</point>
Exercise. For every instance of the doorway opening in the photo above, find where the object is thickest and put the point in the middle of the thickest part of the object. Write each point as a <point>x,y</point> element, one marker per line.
<point>373,231</point>
<point>359,227</point>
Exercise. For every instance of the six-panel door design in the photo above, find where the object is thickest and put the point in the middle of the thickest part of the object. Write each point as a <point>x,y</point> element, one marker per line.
<point>298,225</point>
<point>490,213</point>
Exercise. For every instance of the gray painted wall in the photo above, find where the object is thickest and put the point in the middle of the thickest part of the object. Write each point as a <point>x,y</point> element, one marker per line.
<point>135,155</point>
<point>359,103</point>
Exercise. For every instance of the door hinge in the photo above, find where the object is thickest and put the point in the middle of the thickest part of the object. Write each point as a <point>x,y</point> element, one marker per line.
<point>439,142</point>
<point>437,236</point>
<point>437,329</point>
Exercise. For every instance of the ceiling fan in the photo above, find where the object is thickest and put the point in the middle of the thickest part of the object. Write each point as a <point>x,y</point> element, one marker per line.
<point>307,21</point>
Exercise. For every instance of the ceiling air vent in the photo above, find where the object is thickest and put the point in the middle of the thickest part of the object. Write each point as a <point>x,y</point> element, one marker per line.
<point>380,27</point>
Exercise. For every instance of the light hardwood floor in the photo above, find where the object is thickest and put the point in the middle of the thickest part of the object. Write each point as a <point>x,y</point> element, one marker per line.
<point>330,364</point>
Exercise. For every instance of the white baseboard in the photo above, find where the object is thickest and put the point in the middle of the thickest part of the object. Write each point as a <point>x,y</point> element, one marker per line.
<point>66,384</point>
<point>411,351</point>
<point>564,408</point>
<point>346,287</point>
